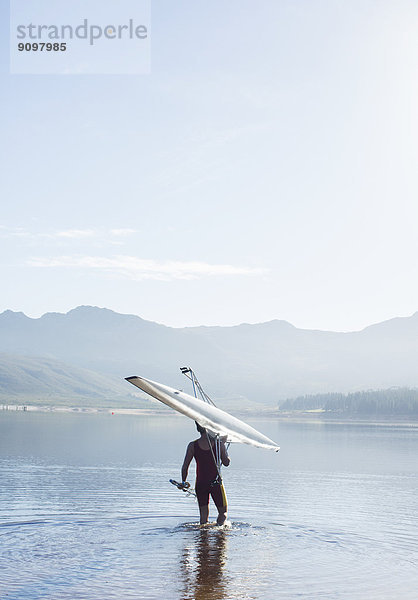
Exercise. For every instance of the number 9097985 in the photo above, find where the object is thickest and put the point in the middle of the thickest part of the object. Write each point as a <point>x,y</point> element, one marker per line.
<point>42,47</point>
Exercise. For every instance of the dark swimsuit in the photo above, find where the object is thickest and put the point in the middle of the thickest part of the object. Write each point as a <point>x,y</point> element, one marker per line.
<point>206,479</point>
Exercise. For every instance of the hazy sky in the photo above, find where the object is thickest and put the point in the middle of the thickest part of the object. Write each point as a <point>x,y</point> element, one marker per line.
<point>267,168</point>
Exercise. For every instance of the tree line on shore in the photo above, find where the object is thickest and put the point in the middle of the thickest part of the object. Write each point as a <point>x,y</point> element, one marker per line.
<point>393,401</point>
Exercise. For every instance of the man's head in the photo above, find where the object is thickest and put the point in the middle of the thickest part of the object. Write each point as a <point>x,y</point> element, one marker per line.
<point>200,429</point>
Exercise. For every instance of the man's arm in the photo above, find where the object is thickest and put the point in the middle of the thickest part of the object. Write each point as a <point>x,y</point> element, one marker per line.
<point>187,461</point>
<point>224,455</point>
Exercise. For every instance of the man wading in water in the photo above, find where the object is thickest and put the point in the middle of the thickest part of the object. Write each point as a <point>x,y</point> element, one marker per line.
<point>208,481</point>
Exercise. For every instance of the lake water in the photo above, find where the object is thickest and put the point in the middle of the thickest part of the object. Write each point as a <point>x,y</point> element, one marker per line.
<point>87,512</point>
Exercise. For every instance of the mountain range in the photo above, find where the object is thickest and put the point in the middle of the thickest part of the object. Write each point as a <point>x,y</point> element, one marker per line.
<point>89,351</point>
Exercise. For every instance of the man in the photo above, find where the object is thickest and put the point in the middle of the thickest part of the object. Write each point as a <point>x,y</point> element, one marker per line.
<point>208,481</point>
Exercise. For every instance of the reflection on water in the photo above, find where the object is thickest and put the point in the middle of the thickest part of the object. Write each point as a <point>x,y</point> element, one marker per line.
<point>87,512</point>
<point>202,565</point>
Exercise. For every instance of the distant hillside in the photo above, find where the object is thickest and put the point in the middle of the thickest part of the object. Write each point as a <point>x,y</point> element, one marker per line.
<point>262,363</point>
<point>44,381</point>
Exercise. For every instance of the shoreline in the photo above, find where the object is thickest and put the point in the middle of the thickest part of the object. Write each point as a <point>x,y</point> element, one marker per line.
<point>313,417</point>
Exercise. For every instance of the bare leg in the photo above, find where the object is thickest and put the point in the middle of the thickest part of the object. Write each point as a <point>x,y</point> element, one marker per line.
<point>221,516</point>
<point>219,497</point>
<point>204,514</point>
